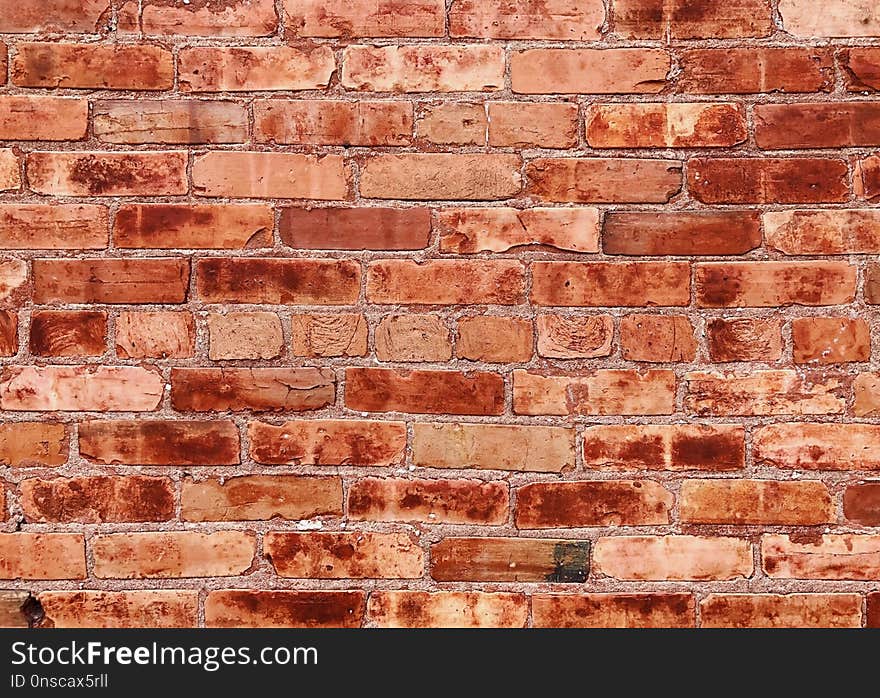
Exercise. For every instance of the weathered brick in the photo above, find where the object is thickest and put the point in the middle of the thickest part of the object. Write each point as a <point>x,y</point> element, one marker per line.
<point>347,18</point>
<point>510,560</point>
<point>8,333</point>
<point>830,340</point>
<point>781,611</point>
<point>53,226</point>
<point>692,19</point>
<point>445,282</point>
<point>872,284</point>
<point>42,556</point>
<point>227,18</point>
<point>453,123</point>
<point>10,175</point>
<point>13,281</point>
<point>814,232</point>
<point>755,502</point>
<point>370,228</point>
<point>613,611</point>
<point>657,338</point>
<point>447,609</point>
<point>68,333</point>
<point>155,335</point>
<point>866,390</point>
<point>744,339</point>
<point>818,446</point>
<point>172,608</point>
<point>12,614</point>
<point>589,71</point>
<point>861,68</point>
<point>244,336</point>
<point>524,19</point>
<point>827,125</point>
<point>533,125</point>
<point>866,178</point>
<point>40,118</point>
<point>57,16</point>
<point>412,338</point>
<point>603,180</point>
<point>681,233</point>
<point>574,336</point>
<point>33,444</point>
<point>843,556</point>
<point>169,121</point>
<point>328,335</point>
<point>284,609</point>
<point>834,18</point>
<point>494,339</point>
<point>861,503</point>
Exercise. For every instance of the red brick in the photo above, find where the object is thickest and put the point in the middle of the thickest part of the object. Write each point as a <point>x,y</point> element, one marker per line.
<point>829,340</point>
<point>10,175</point>
<point>429,501</point>
<point>533,125</point>
<point>13,281</point>
<point>841,18</point>
<point>774,284</point>
<point>781,611</point>
<point>423,68</point>
<point>843,556</point>
<point>837,231</point>
<point>32,118</point>
<point>692,19</point>
<point>866,390</point>
<point>348,555</point>
<point>447,609</point>
<point>494,339</point>
<point>861,68</point>
<point>827,125</point>
<point>445,282</point>
<point>313,335</point>
<point>613,611</point>
<point>93,66</point>
<point>68,333</point>
<point>347,18</point>
<point>716,447</point>
<point>33,444</point>
<point>371,228</point>
<point>284,609</point>
<point>524,19</point>
<point>607,284</point>
<point>53,226</point>
<point>255,389</point>
<point>159,442</point>
<point>681,233</point>
<point>599,503</point>
<point>453,123</point>
<point>331,122</point>
<point>229,18</point>
<point>657,338</point>
<point>755,502</point>
<point>861,503</point>
<point>768,180</point>
<point>872,610</point>
<point>242,69</point>
<point>818,446</point>
<point>589,71</point>
<point>173,608</point>
<point>412,337</point>
<point>155,335</point>
<point>598,392</point>
<point>169,121</point>
<point>110,280</point>
<point>99,499</point>
<point>42,556</point>
<point>278,281</point>
<point>510,560</point>
<point>601,180</point>
<point>872,284</point>
<point>244,336</point>
<point>8,333</point>
<point>426,392</point>
<point>744,339</point>
<point>574,336</point>
<point>755,70</point>
<point>56,16</point>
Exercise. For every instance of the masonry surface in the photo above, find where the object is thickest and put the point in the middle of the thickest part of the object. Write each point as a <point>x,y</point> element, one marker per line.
<point>439,312</point>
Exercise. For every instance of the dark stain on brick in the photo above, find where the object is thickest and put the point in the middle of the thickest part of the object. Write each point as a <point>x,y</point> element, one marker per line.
<point>571,562</point>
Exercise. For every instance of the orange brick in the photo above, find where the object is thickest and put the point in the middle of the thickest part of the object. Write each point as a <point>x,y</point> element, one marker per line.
<point>755,502</point>
<point>59,16</point>
<point>8,333</point>
<point>861,503</point>
<point>841,18</point>
<point>861,68</point>
<point>589,71</point>
<point>755,70</point>
<point>613,611</point>
<point>692,19</point>
<point>574,336</point>
<point>115,281</point>
<point>155,335</point>
<point>53,226</point>
<point>173,608</point>
<point>230,18</point>
<point>811,232</point>
<point>10,175</point>
<point>412,338</point>
<point>866,389</point>
<point>603,180</point>
<point>744,339</point>
<point>523,19</point>
<point>510,560</point>
<point>169,121</point>
<point>453,123</point>
<point>533,125</point>
<point>68,333</point>
<point>343,228</point>
<point>348,18</point>
<point>657,338</point>
<point>42,556</point>
<point>33,444</point>
<point>681,233</point>
<point>284,609</point>
<point>494,339</point>
<point>244,336</point>
<point>818,446</point>
<point>313,335</point>
<point>445,282</point>
<point>447,609</point>
<point>781,611</point>
<point>33,118</point>
<point>824,557</point>
<point>830,340</point>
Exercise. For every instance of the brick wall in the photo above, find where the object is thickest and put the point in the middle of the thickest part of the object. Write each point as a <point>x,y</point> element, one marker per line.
<point>420,312</point>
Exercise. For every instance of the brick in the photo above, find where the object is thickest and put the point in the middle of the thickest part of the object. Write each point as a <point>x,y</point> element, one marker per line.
<point>818,446</point>
<point>169,121</point>
<point>344,19</point>
<point>423,68</point>
<point>159,442</point>
<point>278,281</point>
<point>108,174</point>
<point>598,503</point>
<point>348,555</point>
<point>872,610</point>
<point>371,228</point>
<point>445,282</point>
<point>155,335</point>
<point>861,503</point>
<point>755,502</point>
<point>423,391</point>
<point>537,449</point>
<point>872,284</point>
<point>229,18</point>
<point>597,392</point>
<point>328,442</point>
<point>8,333</point>
<point>439,176</point>
<point>33,118</point>
<point>80,388</point>
<point>657,338</point>
<point>68,333</point>
<point>33,444</point>
<point>99,499</point>
<point>689,19</point>
<point>603,180</point>
<point>10,176</point>
<point>172,608</point>
<point>447,609</point>
<point>472,230</point>
<point>453,123</point>
<point>93,66</point>
<point>866,178</point>
<point>533,125</point>
<point>243,69</point>
<point>866,388</point>
<point>681,233</point>
<point>12,614</point>
<point>781,611</point>
<point>255,389</point>
<point>53,226</point>
<point>42,556</point>
<point>837,18</point>
<point>608,284</point>
<point>663,125</point>
<point>331,122</point>
<point>828,125</point>
<point>574,336</point>
<point>260,498</point>
<point>494,339</point>
<point>523,19</point>
<point>269,175</point>
<point>677,447</point>
<point>838,231</point>
<point>673,558</point>
<point>244,336</point>
<point>13,281</point>
<point>510,560</point>
<point>284,609</point>
<point>328,335</point>
<point>744,339</point>
<point>56,16</point>
<point>774,284</point>
<point>843,556</point>
<point>830,340</point>
<point>173,554</point>
<point>412,338</point>
<point>861,68</point>
<point>756,70</point>
<point>107,280</point>
<point>613,611</point>
<point>589,71</point>
<point>768,180</point>
<point>760,393</point>
<point>429,501</point>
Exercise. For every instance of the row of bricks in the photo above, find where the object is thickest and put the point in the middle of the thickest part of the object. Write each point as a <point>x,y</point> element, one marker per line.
<point>420,609</point>
<point>428,338</point>
<point>441,176</point>
<point>495,19</point>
